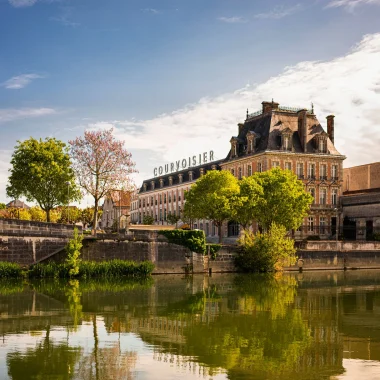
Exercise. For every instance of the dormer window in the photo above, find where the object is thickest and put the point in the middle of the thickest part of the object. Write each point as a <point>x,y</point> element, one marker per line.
<point>321,142</point>
<point>144,186</point>
<point>152,185</point>
<point>234,145</point>
<point>170,181</point>
<point>180,178</point>
<point>286,139</point>
<point>252,138</point>
<point>190,175</point>
<point>161,182</point>
<point>201,172</point>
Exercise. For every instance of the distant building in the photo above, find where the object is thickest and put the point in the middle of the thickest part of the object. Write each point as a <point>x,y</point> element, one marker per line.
<point>17,204</point>
<point>116,210</point>
<point>276,136</point>
<point>361,201</point>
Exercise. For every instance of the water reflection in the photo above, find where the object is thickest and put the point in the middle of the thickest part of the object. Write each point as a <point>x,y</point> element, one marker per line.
<point>309,326</point>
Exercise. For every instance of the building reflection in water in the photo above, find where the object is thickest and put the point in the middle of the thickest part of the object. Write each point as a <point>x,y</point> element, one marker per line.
<point>237,327</point>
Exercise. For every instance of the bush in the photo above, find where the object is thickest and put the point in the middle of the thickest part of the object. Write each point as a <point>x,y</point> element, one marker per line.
<point>195,240</point>
<point>73,248</point>
<point>214,248</point>
<point>265,252</point>
<point>10,270</point>
<point>89,269</point>
<point>148,220</point>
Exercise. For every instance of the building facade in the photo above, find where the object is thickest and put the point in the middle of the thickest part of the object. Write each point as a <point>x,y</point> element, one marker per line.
<point>361,202</point>
<point>275,136</point>
<point>116,210</point>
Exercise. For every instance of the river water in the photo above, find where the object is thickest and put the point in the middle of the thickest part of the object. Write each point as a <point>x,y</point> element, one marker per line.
<point>320,325</point>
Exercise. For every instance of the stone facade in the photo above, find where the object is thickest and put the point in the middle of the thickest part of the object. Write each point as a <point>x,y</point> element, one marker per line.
<point>116,210</point>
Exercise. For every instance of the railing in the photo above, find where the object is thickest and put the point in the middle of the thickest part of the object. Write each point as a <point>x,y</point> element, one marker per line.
<point>254,114</point>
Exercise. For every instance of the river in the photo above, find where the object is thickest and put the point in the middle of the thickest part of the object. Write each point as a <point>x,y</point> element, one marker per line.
<point>314,325</point>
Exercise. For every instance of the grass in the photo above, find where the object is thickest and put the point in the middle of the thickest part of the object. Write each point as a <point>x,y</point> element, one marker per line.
<point>10,270</point>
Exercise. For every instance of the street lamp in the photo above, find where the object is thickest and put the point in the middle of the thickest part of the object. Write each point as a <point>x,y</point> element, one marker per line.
<point>68,201</point>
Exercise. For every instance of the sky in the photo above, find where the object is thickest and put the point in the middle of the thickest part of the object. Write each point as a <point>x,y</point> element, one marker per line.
<point>174,77</point>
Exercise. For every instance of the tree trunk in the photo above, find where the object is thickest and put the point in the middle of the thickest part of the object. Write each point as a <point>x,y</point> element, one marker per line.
<point>95,219</point>
<point>220,233</point>
<point>48,215</point>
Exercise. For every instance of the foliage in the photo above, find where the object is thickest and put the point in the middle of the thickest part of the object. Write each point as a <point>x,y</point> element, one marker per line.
<point>10,270</point>
<point>195,240</point>
<point>87,215</point>
<point>37,214</point>
<point>90,269</point>
<point>213,249</point>
<point>265,252</point>
<point>283,199</point>
<point>73,248</point>
<point>2,206</point>
<point>70,215</point>
<point>148,220</point>
<point>101,164</point>
<point>19,213</point>
<point>245,208</point>
<point>212,197</point>
<point>173,218</point>
<point>40,171</point>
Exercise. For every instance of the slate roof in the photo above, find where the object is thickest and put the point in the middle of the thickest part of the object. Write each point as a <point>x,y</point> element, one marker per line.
<point>270,126</point>
<point>17,204</point>
<point>185,176</point>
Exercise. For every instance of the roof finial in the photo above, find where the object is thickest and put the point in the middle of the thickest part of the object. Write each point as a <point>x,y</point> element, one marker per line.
<point>272,102</point>
<point>247,113</point>
<point>312,108</point>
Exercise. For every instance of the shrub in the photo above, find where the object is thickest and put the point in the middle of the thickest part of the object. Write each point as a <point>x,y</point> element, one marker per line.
<point>10,270</point>
<point>195,240</point>
<point>265,252</point>
<point>148,219</point>
<point>214,248</point>
<point>73,248</point>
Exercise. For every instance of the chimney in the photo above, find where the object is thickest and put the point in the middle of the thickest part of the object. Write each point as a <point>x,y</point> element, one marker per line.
<point>330,127</point>
<point>241,126</point>
<point>302,128</point>
<point>269,106</point>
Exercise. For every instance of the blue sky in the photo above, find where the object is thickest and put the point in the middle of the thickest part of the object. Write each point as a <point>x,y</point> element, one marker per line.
<point>174,77</point>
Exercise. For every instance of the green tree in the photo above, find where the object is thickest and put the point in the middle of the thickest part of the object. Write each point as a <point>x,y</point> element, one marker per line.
<point>3,206</point>
<point>147,219</point>
<point>72,214</point>
<point>212,197</point>
<point>266,252</point>
<point>245,207</point>
<point>40,172</point>
<point>283,199</point>
<point>172,218</point>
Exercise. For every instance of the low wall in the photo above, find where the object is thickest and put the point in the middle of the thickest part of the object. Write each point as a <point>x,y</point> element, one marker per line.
<point>331,245</point>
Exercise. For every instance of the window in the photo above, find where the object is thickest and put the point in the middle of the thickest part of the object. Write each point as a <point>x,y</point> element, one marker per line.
<point>190,176</point>
<point>259,167</point>
<point>164,198</point>
<point>312,193</point>
<point>322,196</point>
<point>311,171</point>
<point>232,171</point>
<point>207,229</point>
<point>310,224</point>
<point>334,196</point>
<point>334,171</point>
<point>180,178</point>
<point>249,170</point>
<point>240,173</point>
<point>286,144</point>
<point>323,172</point>
<point>170,199</point>
<point>322,224</point>
<point>288,166</point>
<point>322,145</point>
<point>161,183</point>
<point>174,198</point>
<point>275,164</point>
<point>299,169</point>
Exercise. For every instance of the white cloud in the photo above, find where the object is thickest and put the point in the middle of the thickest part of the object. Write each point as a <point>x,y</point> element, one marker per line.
<point>348,86</point>
<point>22,3</point>
<point>11,114</point>
<point>65,18</point>
<point>350,5</point>
<point>20,81</point>
<point>150,10</point>
<point>233,20</point>
<point>279,12</point>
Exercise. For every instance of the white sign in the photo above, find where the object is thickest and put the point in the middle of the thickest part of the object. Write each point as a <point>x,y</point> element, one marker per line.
<point>185,163</point>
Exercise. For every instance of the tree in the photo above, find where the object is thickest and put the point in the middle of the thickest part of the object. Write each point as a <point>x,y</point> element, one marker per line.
<point>212,197</point>
<point>172,218</point>
<point>37,214</point>
<point>266,252</point>
<point>40,172</point>
<point>147,219</point>
<point>101,164</point>
<point>2,206</point>
<point>245,207</point>
<point>283,199</point>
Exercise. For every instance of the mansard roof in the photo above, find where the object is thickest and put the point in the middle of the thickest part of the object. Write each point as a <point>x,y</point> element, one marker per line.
<point>175,176</point>
<point>271,124</point>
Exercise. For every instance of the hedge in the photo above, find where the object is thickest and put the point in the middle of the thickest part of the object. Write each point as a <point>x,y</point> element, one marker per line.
<point>195,240</point>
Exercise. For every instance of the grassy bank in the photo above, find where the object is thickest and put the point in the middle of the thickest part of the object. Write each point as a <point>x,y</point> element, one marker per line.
<point>87,269</point>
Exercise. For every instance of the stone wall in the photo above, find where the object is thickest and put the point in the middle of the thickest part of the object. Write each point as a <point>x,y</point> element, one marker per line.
<point>362,177</point>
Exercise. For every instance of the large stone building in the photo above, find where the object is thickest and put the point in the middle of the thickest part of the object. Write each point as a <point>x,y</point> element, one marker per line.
<point>116,210</point>
<point>361,201</point>
<point>275,136</point>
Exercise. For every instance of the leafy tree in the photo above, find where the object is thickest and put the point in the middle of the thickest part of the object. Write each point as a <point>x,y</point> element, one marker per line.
<point>266,252</point>
<point>245,207</point>
<point>3,206</point>
<point>283,199</point>
<point>173,218</point>
<point>147,219</point>
<point>73,215</point>
<point>40,172</point>
<point>19,213</point>
<point>87,215</point>
<point>212,197</point>
<point>101,164</point>
<point>37,214</point>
